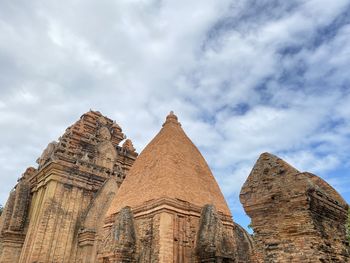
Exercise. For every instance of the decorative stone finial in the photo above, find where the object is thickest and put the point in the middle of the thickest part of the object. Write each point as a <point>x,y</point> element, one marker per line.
<point>171,118</point>
<point>128,145</point>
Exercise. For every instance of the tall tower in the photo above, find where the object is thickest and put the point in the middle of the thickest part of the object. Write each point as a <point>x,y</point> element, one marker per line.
<point>170,208</point>
<point>51,214</point>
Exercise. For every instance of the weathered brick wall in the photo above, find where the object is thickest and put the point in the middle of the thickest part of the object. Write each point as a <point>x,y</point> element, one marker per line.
<point>11,252</point>
<point>13,223</point>
<point>328,218</point>
<point>7,213</point>
<point>56,210</point>
<point>147,242</point>
<point>214,241</point>
<point>179,235</point>
<point>70,172</point>
<point>185,236</point>
<point>91,225</point>
<point>296,217</point>
<point>348,227</point>
<point>245,248</point>
<point>20,210</point>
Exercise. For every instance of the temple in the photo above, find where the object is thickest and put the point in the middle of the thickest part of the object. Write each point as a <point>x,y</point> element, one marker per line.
<point>177,214</point>
<point>52,210</point>
<point>93,199</point>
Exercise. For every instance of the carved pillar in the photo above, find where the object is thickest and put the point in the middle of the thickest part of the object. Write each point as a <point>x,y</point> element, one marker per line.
<point>124,236</point>
<point>86,241</point>
<point>214,244</point>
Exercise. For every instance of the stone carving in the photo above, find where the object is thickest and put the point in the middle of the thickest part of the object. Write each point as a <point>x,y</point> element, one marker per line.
<point>101,120</point>
<point>119,242</point>
<point>214,244</point>
<point>128,145</point>
<point>104,134</point>
<point>47,154</point>
<point>107,155</point>
<point>124,235</point>
<point>245,246</point>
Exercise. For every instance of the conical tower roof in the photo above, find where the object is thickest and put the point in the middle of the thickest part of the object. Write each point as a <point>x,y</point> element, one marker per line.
<point>172,167</point>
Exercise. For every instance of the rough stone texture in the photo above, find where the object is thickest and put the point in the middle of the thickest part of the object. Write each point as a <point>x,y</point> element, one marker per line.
<point>245,249</point>
<point>348,226</point>
<point>124,234</point>
<point>296,217</point>
<point>166,231</point>
<point>60,194</point>
<point>20,209</point>
<point>14,222</point>
<point>90,227</point>
<point>119,244</point>
<point>5,222</point>
<point>7,213</point>
<point>213,242</point>
<point>77,207</point>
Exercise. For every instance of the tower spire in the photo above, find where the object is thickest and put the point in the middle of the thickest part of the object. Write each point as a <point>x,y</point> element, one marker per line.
<point>171,118</point>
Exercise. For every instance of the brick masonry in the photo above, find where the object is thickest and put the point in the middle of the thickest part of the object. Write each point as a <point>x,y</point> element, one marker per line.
<point>76,206</point>
<point>51,205</point>
<point>296,217</point>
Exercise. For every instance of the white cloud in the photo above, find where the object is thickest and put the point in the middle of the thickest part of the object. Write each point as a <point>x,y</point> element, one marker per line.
<point>243,76</point>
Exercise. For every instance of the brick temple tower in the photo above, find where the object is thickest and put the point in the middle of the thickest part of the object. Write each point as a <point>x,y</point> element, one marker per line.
<point>170,209</point>
<point>92,199</point>
<point>54,210</point>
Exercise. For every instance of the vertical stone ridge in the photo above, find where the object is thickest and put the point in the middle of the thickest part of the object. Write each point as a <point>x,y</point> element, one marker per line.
<point>7,213</point>
<point>166,237</point>
<point>244,245</point>
<point>124,236</point>
<point>213,243</point>
<point>15,220</point>
<point>20,210</point>
<point>91,225</point>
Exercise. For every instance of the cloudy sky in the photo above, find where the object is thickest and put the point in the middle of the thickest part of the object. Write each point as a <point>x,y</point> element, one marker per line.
<point>243,76</point>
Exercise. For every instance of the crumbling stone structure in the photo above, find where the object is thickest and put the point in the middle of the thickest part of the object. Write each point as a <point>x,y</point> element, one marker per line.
<point>296,217</point>
<point>92,199</point>
<point>55,211</point>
